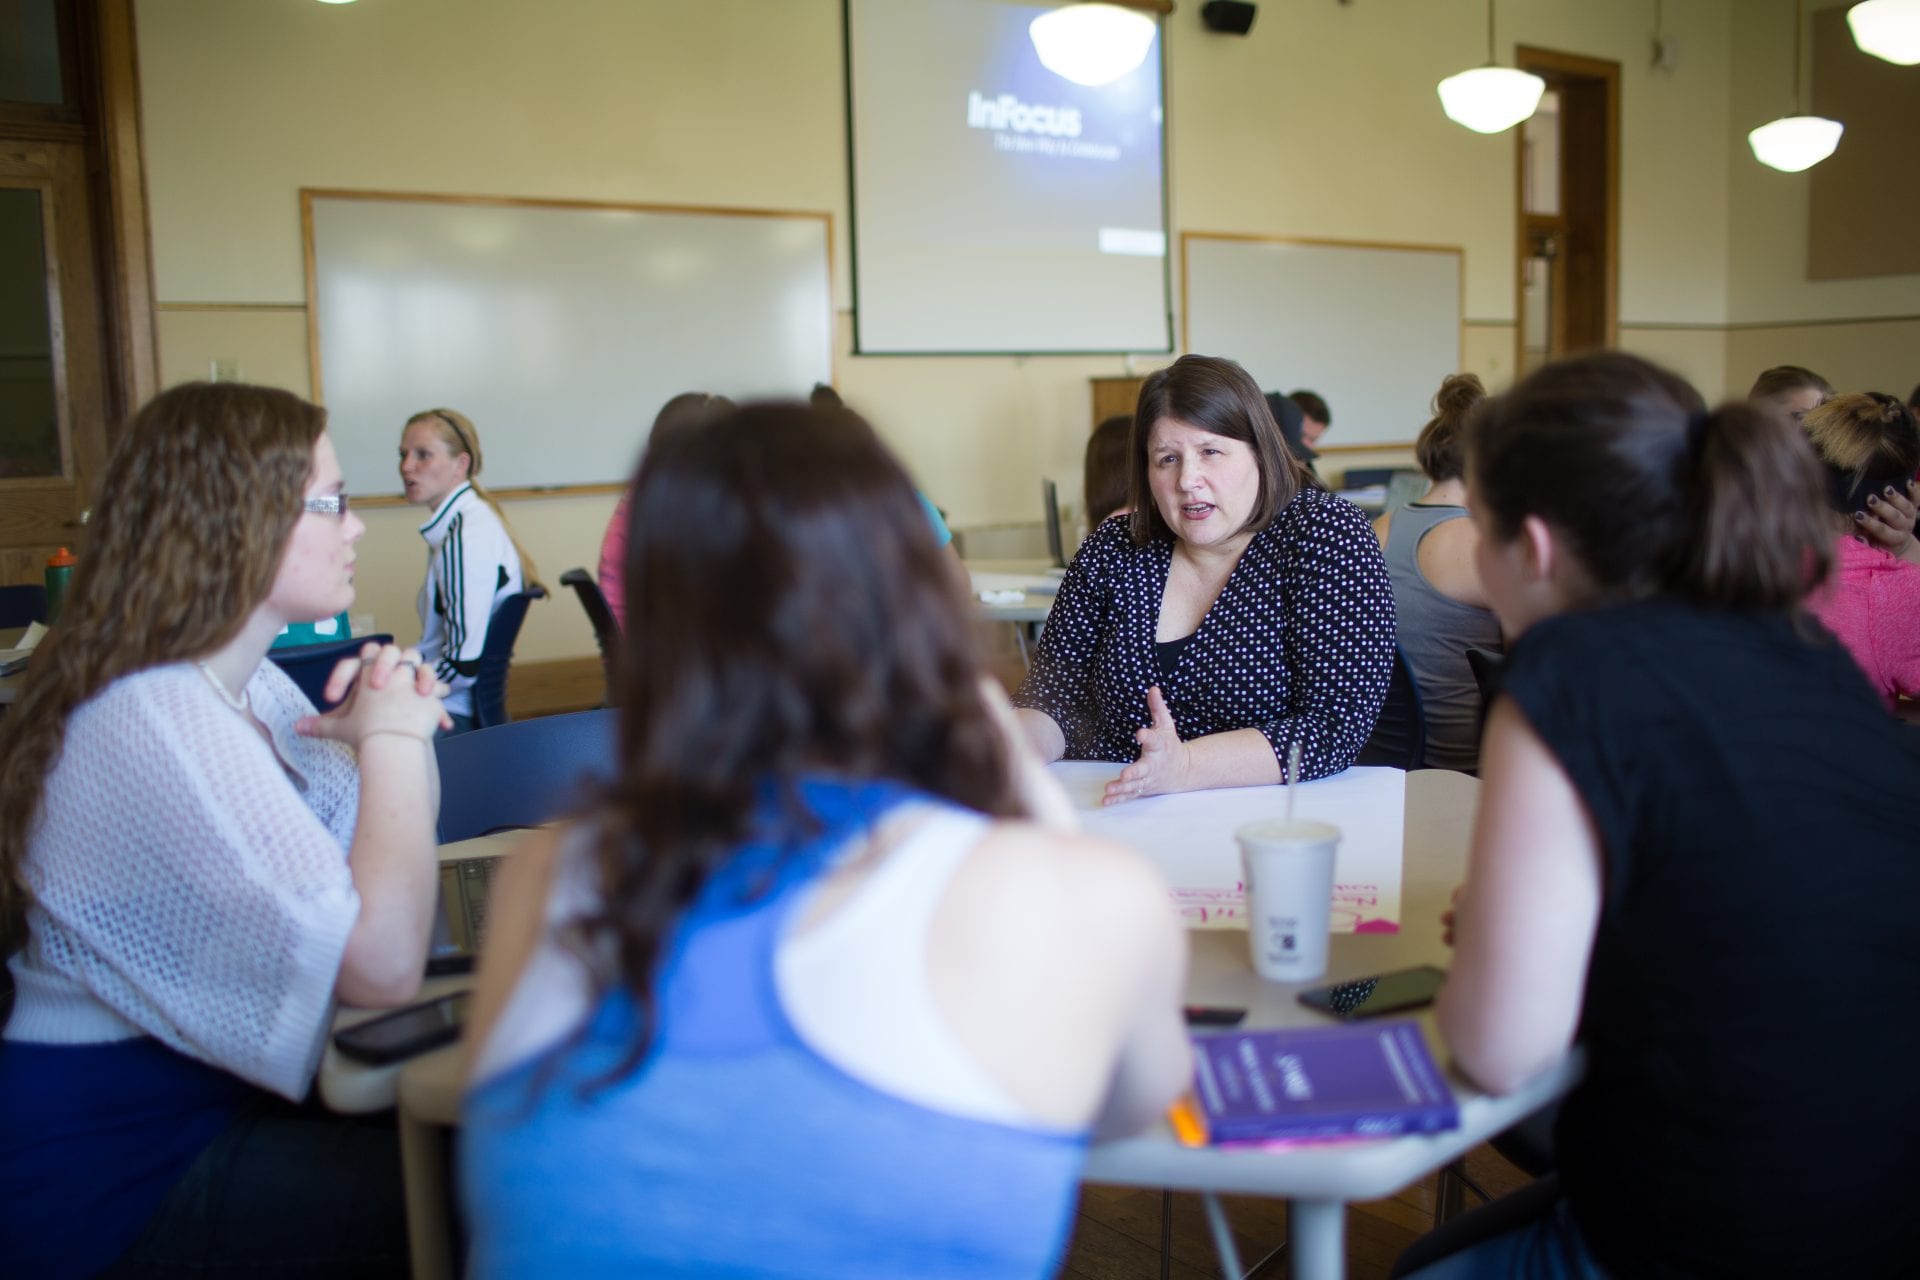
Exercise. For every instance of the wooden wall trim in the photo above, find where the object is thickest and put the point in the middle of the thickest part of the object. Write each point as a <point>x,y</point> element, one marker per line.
<point>127,274</point>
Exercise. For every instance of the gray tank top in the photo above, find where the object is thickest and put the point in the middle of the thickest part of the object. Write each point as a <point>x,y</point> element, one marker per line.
<point>1435,633</point>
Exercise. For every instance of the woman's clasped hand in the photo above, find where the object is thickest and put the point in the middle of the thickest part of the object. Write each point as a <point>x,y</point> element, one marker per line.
<point>386,689</point>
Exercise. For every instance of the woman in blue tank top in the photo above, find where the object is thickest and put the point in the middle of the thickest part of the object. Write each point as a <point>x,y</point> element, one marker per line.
<point>805,996</point>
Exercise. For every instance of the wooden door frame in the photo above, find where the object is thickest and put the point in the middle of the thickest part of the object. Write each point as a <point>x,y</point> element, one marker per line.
<point>1562,71</point>
<point>116,262</point>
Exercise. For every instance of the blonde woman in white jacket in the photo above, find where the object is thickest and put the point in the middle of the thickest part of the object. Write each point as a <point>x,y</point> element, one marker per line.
<point>473,560</point>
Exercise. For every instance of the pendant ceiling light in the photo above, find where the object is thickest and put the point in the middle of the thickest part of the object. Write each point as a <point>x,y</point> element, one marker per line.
<point>1796,142</point>
<point>1092,44</point>
<point>1887,29</point>
<point>1492,98</point>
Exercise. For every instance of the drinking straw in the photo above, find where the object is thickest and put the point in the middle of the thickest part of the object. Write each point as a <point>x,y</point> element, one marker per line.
<point>1293,775</point>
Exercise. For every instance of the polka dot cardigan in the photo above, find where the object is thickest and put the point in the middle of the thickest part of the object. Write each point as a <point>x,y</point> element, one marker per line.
<point>1298,645</point>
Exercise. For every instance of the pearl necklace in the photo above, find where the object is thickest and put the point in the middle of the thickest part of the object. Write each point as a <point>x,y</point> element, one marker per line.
<point>243,704</point>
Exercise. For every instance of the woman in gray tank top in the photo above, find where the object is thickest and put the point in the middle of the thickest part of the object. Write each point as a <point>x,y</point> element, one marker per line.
<point>1440,607</point>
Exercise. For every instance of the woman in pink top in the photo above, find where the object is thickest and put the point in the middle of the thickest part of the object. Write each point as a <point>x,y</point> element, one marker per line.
<point>1871,447</point>
<point>685,411</point>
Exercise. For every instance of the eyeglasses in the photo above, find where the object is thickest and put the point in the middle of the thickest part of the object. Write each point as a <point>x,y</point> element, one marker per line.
<point>334,504</point>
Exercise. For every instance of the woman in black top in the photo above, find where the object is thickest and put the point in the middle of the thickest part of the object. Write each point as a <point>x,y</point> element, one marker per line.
<point>1235,612</point>
<point>1694,850</point>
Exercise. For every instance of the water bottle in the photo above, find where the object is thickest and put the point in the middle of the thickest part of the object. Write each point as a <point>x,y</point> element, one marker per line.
<point>59,576</point>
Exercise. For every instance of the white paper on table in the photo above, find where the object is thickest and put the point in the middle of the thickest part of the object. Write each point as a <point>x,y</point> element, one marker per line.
<point>988,583</point>
<point>1189,836</point>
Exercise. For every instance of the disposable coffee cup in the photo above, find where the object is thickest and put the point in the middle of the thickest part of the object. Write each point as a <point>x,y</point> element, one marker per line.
<point>1288,868</point>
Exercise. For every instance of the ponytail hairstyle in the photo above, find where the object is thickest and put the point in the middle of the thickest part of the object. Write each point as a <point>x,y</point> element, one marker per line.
<point>1868,441</point>
<point>458,431</point>
<point>1441,450</point>
<point>190,523</point>
<point>1651,494</point>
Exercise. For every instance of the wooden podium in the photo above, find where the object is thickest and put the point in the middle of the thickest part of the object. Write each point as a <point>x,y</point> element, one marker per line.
<point>1114,397</point>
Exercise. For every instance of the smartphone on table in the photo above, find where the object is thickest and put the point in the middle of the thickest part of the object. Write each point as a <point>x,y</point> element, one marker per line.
<point>404,1033</point>
<point>1394,992</point>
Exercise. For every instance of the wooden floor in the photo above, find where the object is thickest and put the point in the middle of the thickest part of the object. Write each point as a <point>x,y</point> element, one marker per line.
<point>1117,1233</point>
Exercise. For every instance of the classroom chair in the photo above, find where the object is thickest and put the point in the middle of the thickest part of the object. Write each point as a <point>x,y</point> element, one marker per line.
<point>311,664</point>
<point>524,773</point>
<point>606,632</point>
<point>22,604</point>
<point>490,684</point>
<point>1400,734</point>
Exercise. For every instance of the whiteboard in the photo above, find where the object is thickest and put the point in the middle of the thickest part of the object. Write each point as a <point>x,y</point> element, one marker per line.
<point>559,328</point>
<point>1373,328</point>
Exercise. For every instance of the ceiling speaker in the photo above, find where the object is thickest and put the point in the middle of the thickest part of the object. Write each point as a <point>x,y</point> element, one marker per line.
<point>1231,17</point>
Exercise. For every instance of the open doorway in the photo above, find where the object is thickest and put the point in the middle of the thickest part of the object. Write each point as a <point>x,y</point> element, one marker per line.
<point>1568,190</point>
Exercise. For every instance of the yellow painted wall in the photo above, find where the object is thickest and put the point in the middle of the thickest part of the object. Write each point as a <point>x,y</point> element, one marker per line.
<point>1323,122</point>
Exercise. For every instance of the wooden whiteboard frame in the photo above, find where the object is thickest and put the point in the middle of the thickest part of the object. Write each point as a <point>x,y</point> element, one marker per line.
<point>312,308</point>
<point>1460,320</point>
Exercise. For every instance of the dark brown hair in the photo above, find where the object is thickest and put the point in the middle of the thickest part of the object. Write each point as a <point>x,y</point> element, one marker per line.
<point>1104,472</point>
<point>1867,441</point>
<point>788,615</point>
<point>192,517</point>
<point>1441,449</point>
<point>1651,493</point>
<point>1313,405</point>
<point>1788,377</point>
<point>1216,396</point>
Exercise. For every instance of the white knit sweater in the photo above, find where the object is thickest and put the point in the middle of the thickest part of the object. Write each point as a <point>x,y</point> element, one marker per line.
<point>188,884</point>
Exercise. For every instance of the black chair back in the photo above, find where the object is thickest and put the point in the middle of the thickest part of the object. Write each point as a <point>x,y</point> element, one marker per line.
<point>496,655</point>
<point>311,664</point>
<point>1485,665</point>
<point>524,773</point>
<point>1400,734</point>
<point>22,604</point>
<point>606,632</point>
<point>1050,509</point>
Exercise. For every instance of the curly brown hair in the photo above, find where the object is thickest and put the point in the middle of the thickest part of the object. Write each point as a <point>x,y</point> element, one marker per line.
<point>189,526</point>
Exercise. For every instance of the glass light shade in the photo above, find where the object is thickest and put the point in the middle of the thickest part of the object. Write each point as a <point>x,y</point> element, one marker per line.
<point>1793,143</point>
<point>1887,29</point>
<point>1490,99</point>
<point>1092,44</point>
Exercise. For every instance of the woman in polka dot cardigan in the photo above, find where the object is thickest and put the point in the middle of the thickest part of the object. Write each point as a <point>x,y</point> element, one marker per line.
<point>1236,611</point>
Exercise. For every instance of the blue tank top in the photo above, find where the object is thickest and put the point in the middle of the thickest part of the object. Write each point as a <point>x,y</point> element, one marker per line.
<point>734,1149</point>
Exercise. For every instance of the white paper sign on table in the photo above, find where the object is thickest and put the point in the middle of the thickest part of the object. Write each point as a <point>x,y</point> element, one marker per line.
<point>1189,836</point>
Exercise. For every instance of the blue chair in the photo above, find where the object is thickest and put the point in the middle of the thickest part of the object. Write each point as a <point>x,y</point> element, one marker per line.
<point>522,774</point>
<point>311,664</point>
<point>496,655</point>
<point>1400,734</point>
<point>20,605</point>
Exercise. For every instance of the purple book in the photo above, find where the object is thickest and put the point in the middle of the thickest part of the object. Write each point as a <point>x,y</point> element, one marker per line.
<point>1361,1080</point>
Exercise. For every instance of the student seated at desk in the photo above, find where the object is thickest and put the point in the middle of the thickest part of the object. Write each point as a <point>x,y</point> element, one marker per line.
<point>805,997</point>
<point>1440,609</point>
<point>204,866</point>
<point>1237,611</point>
<point>473,560</point>
<point>1694,850</point>
<point>1871,448</point>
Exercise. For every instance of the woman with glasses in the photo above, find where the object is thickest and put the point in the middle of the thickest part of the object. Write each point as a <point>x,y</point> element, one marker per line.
<point>473,560</point>
<point>196,867</point>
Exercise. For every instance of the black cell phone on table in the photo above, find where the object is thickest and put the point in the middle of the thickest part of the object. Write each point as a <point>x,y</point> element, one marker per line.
<point>404,1033</point>
<point>1204,1015</point>
<point>1394,992</point>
